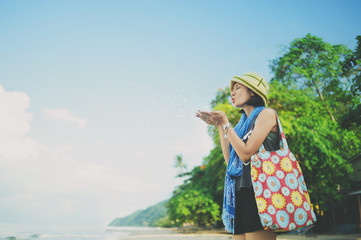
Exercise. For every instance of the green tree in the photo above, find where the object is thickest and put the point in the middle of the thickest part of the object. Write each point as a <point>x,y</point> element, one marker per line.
<point>311,63</point>
<point>179,164</point>
<point>192,207</point>
<point>193,202</point>
<point>352,70</point>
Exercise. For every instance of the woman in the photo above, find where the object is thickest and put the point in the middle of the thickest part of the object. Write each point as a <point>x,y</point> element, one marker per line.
<point>258,125</point>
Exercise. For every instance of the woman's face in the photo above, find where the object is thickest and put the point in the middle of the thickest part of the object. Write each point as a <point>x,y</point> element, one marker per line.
<point>240,95</point>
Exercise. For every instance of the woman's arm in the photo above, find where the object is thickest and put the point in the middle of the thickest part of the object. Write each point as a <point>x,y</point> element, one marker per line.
<point>265,123</point>
<point>224,143</point>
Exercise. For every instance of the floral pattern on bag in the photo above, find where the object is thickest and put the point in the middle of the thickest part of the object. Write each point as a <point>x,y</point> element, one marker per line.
<point>280,190</point>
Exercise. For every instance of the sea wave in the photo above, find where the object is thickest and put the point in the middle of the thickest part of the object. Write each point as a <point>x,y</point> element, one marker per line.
<point>131,228</point>
<point>34,232</point>
<point>41,232</point>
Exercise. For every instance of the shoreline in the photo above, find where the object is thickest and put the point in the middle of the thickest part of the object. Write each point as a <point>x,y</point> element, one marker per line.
<point>176,233</point>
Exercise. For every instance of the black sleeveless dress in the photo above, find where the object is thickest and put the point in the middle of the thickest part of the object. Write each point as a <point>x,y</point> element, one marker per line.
<point>246,212</point>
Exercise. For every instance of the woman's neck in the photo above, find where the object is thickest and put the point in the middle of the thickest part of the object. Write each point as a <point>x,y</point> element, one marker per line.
<point>248,109</point>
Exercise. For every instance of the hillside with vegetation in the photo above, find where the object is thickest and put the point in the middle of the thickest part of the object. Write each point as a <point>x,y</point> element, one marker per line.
<point>149,217</point>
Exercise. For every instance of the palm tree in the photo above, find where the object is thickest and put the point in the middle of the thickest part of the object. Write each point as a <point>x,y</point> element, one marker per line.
<point>179,164</point>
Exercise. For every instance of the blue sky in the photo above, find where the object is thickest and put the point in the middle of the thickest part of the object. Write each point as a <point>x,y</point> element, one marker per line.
<point>98,97</point>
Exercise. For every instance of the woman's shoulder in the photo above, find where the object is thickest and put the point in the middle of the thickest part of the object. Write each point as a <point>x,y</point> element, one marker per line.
<point>268,113</point>
<point>267,117</point>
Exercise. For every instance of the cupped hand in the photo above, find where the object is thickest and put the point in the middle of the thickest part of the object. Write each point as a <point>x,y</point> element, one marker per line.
<point>213,118</point>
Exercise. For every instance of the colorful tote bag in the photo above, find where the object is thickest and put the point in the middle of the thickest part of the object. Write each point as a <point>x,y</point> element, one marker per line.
<point>280,190</point>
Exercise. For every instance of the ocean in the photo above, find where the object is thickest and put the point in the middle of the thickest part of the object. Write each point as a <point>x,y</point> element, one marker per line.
<point>34,232</point>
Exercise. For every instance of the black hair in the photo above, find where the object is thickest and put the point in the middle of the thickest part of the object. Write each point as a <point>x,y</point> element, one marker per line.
<point>255,100</point>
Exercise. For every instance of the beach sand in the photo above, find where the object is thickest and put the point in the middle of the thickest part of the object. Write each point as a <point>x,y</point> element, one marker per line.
<point>229,237</point>
<point>177,234</point>
<point>179,237</point>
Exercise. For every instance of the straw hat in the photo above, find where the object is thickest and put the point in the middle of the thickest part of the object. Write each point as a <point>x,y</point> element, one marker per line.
<point>253,81</point>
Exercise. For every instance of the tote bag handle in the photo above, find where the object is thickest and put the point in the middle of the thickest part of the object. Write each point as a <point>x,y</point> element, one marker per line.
<point>283,141</point>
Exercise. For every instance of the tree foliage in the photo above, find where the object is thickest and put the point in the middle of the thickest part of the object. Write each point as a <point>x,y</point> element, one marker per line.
<point>193,207</point>
<point>311,63</point>
<point>352,70</point>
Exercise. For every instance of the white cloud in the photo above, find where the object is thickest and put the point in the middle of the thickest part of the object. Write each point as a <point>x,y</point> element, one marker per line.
<point>14,125</point>
<point>64,114</point>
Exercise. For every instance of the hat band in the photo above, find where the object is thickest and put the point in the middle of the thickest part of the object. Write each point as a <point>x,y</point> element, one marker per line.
<point>252,87</point>
<point>259,82</point>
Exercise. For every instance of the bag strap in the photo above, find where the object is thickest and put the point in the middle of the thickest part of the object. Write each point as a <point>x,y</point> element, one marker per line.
<point>283,141</point>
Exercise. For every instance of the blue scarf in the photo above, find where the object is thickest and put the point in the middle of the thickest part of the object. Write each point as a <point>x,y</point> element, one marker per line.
<point>234,169</point>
